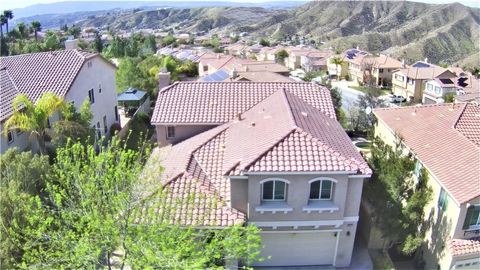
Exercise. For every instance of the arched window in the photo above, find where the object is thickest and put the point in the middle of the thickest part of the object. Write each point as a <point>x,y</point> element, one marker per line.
<point>274,190</point>
<point>321,189</point>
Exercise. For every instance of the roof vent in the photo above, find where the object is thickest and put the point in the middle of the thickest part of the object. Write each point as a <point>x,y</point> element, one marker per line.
<point>305,114</point>
<point>414,112</point>
<point>218,56</point>
<point>252,124</point>
<point>239,116</point>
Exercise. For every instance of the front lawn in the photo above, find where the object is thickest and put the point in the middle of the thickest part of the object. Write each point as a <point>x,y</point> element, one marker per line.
<point>366,89</point>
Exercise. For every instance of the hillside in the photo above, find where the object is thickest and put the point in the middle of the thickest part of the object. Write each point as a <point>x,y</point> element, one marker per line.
<point>446,33</point>
<point>442,33</point>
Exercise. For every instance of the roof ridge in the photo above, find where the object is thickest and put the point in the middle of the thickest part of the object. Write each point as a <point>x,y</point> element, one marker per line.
<point>416,106</point>
<point>289,105</point>
<point>166,88</point>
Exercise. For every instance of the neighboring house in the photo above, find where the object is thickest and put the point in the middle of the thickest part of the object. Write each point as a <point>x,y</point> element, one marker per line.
<point>469,89</point>
<point>269,154</point>
<point>237,49</point>
<point>73,75</point>
<point>222,75</point>
<point>383,68</point>
<point>437,89</point>
<point>359,65</point>
<point>294,59</point>
<point>445,140</point>
<point>212,63</point>
<point>410,82</point>
<point>315,60</point>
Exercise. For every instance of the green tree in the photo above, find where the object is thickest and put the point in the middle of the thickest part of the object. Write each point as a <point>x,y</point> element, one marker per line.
<point>33,117</point>
<point>74,31</point>
<point>167,40</point>
<point>189,68</point>
<point>36,27</point>
<point>51,41</point>
<point>3,21</point>
<point>281,55</point>
<point>337,61</point>
<point>150,44</point>
<point>8,14</point>
<point>127,73</point>
<point>23,30</point>
<point>264,42</point>
<point>336,96</point>
<point>21,177</point>
<point>400,196</point>
<point>449,98</point>
<point>97,43</point>
<point>73,125</point>
<point>90,207</point>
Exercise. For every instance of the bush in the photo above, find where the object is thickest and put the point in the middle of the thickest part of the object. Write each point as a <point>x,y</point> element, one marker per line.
<point>114,129</point>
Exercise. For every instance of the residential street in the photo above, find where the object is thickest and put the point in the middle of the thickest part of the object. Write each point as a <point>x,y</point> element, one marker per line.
<point>349,95</point>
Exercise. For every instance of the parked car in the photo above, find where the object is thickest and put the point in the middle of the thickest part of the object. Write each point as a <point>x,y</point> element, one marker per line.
<point>395,99</point>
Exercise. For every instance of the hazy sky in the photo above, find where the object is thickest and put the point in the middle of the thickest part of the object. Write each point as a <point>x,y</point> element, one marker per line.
<point>11,4</point>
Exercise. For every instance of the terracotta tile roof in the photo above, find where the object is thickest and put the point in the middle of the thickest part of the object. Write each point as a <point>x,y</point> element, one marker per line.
<point>469,123</point>
<point>424,73</point>
<point>219,102</point>
<point>8,92</point>
<point>445,138</point>
<point>384,61</point>
<point>277,134</point>
<point>37,73</point>
<point>459,247</point>
<point>262,76</point>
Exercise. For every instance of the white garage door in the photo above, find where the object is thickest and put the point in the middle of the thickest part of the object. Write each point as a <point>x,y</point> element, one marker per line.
<point>302,248</point>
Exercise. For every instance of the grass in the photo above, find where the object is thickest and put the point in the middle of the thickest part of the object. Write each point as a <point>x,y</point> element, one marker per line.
<point>366,89</point>
<point>140,131</point>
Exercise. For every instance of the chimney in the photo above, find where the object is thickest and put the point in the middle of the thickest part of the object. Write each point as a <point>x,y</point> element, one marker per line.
<point>239,116</point>
<point>245,68</point>
<point>426,60</point>
<point>233,73</point>
<point>218,56</point>
<point>71,44</point>
<point>403,62</point>
<point>163,79</point>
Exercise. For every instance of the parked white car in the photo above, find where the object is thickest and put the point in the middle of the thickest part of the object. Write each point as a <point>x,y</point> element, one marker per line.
<point>395,99</point>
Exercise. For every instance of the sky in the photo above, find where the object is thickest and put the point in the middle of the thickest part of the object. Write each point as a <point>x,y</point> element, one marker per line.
<point>12,4</point>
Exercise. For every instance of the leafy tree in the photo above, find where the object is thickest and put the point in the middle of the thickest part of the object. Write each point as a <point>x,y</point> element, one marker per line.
<point>97,43</point>
<point>127,73</point>
<point>449,98</point>
<point>167,40</point>
<point>33,117</point>
<point>150,44</point>
<point>73,125</point>
<point>189,68</point>
<point>264,42</point>
<point>400,197</point>
<point>23,30</point>
<point>51,41</point>
<point>36,27</point>
<point>74,31</point>
<point>360,121</point>
<point>8,14</point>
<point>234,39</point>
<point>336,96</point>
<point>91,208</point>
<point>3,21</point>
<point>281,55</point>
<point>21,177</point>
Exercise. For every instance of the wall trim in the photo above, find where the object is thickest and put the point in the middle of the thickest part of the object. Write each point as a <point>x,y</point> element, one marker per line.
<point>295,224</point>
<point>302,173</point>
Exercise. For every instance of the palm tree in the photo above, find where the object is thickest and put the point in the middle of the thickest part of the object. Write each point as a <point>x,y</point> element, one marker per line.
<point>337,61</point>
<point>3,20</point>
<point>8,14</point>
<point>36,26</point>
<point>22,29</point>
<point>33,117</point>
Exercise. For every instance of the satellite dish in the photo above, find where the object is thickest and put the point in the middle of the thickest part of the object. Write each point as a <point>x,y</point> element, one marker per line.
<point>368,110</point>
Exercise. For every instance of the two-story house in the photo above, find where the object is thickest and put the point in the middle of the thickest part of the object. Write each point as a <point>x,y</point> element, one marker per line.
<point>268,154</point>
<point>410,82</point>
<point>74,75</point>
<point>383,68</point>
<point>445,140</point>
<point>437,89</point>
<point>315,60</point>
<point>357,64</point>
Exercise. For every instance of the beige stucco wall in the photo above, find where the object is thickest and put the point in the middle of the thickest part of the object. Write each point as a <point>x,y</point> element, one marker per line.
<point>99,74</point>
<point>239,194</point>
<point>20,141</point>
<point>441,225</point>
<point>182,132</point>
<point>297,197</point>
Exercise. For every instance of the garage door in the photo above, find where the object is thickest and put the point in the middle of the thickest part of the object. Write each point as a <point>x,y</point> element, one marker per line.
<point>296,249</point>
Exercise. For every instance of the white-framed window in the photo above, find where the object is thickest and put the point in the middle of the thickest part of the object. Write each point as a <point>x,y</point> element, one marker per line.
<point>472,219</point>
<point>321,189</point>
<point>410,81</point>
<point>91,96</point>
<point>10,138</point>
<point>438,90</point>
<point>399,77</point>
<point>380,70</point>
<point>429,87</point>
<point>274,190</point>
<point>170,132</point>
<point>443,200</point>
